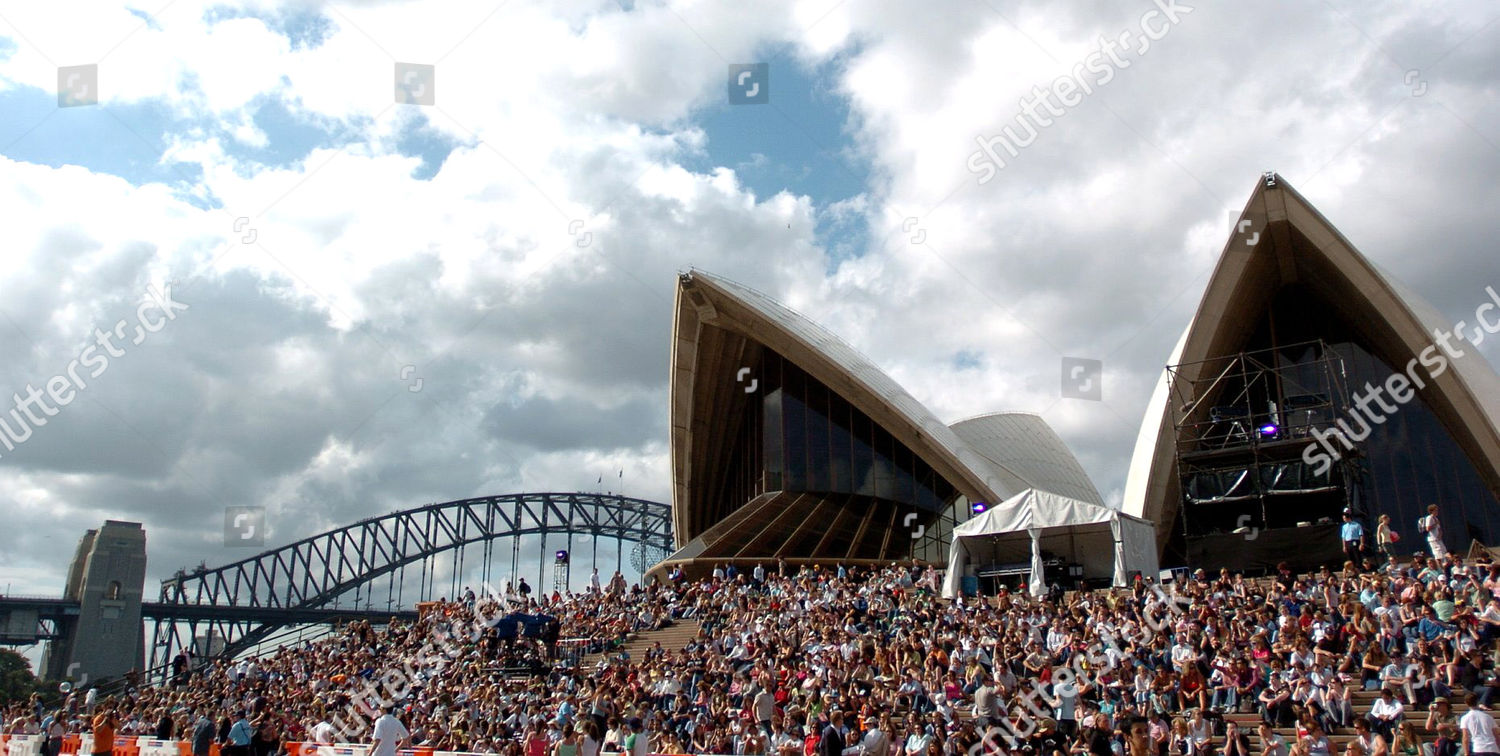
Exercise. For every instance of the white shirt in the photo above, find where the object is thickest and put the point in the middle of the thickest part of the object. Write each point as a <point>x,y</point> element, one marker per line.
<point>1434,529</point>
<point>1480,727</point>
<point>875,743</point>
<point>324,732</point>
<point>1382,710</point>
<point>1276,746</point>
<point>388,730</point>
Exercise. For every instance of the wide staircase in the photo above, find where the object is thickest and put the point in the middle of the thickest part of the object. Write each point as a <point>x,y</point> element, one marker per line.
<point>1362,701</point>
<point>671,638</point>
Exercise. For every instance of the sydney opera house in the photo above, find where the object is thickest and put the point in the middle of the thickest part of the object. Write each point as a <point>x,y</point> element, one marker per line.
<point>787,444</point>
<point>1310,382</point>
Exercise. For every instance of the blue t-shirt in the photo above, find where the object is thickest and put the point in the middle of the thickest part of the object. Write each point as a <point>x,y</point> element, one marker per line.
<point>1352,531</point>
<point>240,733</point>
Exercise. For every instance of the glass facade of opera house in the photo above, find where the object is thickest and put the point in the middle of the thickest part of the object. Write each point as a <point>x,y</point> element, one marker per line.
<point>801,437</point>
<point>1401,464</point>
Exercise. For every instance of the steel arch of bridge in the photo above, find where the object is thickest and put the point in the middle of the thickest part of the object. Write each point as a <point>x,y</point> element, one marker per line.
<point>314,572</point>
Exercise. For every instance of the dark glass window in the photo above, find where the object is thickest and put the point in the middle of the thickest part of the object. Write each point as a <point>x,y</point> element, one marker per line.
<point>794,416</point>
<point>818,474</point>
<point>885,465</point>
<point>772,439</point>
<point>840,445</point>
<point>864,456</point>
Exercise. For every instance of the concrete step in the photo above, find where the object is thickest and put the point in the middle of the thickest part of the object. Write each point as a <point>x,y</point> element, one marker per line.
<point>672,638</point>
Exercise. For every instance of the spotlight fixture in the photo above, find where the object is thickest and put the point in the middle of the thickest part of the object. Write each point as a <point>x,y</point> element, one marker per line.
<point>562,556</point>
<point>978,507</point>
<point>1269,430</point>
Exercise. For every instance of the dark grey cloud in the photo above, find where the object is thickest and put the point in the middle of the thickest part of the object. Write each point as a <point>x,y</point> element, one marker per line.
<point>543,364</point>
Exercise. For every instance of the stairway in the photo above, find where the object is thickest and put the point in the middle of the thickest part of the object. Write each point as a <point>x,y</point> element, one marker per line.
<point>1362,701</point>
<point>671,638</point>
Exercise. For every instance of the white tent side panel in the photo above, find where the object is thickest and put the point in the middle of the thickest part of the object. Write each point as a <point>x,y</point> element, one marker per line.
<point>1080,530</point>
<point>1139,545</point>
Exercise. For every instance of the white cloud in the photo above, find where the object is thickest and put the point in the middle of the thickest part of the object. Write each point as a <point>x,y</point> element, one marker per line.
<point>282,387</point>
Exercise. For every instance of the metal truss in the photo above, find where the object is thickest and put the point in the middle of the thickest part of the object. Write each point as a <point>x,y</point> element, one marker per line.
<point>315,572</point>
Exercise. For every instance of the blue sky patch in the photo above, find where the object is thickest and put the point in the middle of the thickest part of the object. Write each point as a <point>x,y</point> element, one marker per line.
<point>419,139</point>
<point>122,140</point>
<point>303,26</point>
<point>798,141</point>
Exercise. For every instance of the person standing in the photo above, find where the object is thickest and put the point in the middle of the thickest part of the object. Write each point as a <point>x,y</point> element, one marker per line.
<point>1478,729</point>
<point>1353,535</point>
<point>986,708</point>
<point>53,731</point>
<point>1434,530</point>
<point>104,731</point>
<point>764,705</point>
<point>1385,540</point>
<point>637,743</point>
<point>832,741</point>
<point>203,734</point>
<point>240,735</point>
<point>389,734</point>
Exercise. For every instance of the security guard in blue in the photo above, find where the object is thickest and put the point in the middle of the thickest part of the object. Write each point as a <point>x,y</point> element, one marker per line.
<point>239,736</point>
<point>1353,535</point>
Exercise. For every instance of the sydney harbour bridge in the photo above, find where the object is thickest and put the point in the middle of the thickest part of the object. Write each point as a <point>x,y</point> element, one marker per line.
<point>377,569</point>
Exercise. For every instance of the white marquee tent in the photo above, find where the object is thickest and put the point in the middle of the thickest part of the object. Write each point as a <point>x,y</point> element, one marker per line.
<point>1107,542</point>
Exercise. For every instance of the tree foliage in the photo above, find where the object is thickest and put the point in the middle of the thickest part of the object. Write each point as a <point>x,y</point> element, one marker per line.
<point>17,682</point>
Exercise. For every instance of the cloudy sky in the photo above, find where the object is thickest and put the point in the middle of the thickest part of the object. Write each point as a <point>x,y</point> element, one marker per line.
<point>388,304</point>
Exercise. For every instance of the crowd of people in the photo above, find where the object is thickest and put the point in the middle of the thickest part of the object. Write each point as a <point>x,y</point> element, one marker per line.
<point>836,661</point>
